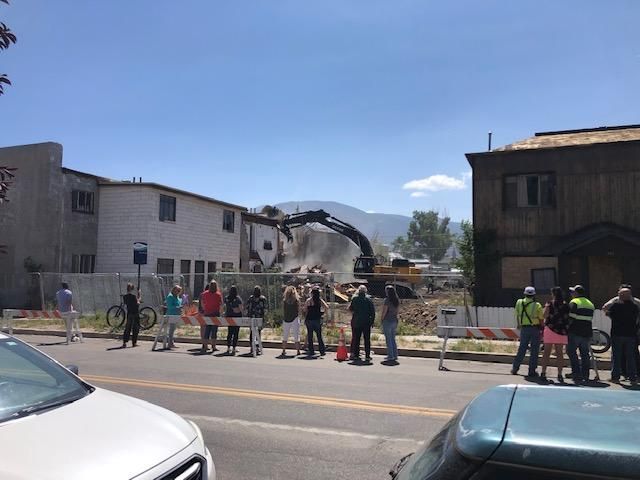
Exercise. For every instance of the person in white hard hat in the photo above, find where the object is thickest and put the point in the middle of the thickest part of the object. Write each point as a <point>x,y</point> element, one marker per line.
<point>529,318</point>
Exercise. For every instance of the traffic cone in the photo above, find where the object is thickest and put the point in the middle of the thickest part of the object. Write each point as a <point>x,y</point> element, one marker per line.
<point>342,353</point>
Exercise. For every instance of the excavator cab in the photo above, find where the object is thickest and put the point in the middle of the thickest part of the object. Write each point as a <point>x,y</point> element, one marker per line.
<point>364,265</point>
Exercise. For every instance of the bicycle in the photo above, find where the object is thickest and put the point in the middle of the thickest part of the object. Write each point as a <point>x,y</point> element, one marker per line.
<point>600,341</point>
<point>117,314</point>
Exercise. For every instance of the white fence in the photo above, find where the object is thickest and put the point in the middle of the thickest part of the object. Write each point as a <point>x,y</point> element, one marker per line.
<point>500,317</point>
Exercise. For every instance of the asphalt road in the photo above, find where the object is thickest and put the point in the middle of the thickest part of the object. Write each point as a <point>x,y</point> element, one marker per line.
<point>290,418</point>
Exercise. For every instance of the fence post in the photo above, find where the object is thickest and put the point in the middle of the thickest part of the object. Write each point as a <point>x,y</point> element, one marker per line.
<point>41,285</point>
<point>332,298</point>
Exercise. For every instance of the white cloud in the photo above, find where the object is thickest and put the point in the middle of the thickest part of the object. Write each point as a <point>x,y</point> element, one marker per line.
<point>437,183</point>
<point>418,194</point>
<point>371,211</point>
<point>466,176</point>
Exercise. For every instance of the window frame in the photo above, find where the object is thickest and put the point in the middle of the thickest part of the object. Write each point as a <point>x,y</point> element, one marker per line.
<point>83,263</point>
<point>166,260</point>
<point>552,176</point>
<point>89,201</point>
<point>225,224</point>
<point>172,207</point>
<point>544,288</point>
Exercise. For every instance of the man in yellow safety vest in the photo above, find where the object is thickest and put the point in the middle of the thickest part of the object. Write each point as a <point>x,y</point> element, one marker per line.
<point>530,319</point>
<point>580,333</point>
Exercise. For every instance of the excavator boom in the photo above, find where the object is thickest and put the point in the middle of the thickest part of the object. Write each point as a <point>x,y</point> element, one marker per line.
<point>323,218</point>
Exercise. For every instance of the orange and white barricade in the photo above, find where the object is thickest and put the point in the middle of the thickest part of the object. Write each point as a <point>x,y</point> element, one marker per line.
<point>201,320</point>
<point>71,319</point>
<point>487,333</point>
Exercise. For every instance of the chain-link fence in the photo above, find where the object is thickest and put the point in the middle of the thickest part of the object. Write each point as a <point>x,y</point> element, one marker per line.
<point>421,295</point>
<point>20,290</point>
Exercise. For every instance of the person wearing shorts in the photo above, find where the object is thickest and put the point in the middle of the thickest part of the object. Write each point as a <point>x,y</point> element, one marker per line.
<point>556,328</point>
<point>211,301</point>
<point>291,322</point>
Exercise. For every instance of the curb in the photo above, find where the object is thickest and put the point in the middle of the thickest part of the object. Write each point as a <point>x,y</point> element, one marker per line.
<point>487,357</point>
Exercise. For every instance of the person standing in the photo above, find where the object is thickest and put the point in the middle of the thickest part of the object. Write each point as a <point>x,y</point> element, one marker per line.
<point>390,321</point>
<point>529,319</point>
<point>233,308</point>
<point>256,308</point>
<point>64,298</point>
<point>313,321</point>
<point>606,307</point>
<point>201,312</point>
<point>174,307</point>
<point>291,320</point>
<point>364,314</point>
<point>211,302</point>
<point>132,302</point>
<point>580,333</point>
<point>624,328</point>
<point>556,324</point>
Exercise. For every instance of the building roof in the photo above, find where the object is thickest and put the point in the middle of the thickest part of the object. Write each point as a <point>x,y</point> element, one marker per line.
<point>572,138</point>
<point>117,183</point>
<point>261,219</point>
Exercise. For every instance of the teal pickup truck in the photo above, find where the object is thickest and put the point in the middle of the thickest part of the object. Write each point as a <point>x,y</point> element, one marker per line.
<point>534,433</point>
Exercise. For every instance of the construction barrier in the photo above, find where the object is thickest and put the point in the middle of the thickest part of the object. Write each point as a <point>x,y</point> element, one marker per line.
<point>200,321</point>
<point>72,319</point>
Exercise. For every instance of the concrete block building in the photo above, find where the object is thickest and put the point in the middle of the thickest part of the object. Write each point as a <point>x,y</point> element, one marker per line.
<point>52,213</point>
<point>74,222</point>
<point>186,233</point>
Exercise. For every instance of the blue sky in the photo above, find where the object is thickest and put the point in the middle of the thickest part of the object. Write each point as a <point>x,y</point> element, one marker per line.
<point>258,102</point>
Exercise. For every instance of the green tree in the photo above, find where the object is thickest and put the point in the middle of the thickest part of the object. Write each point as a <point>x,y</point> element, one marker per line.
<point>466,260</point>
<point>403,247</point>
<point>430,234</point>
<point>7,38</point>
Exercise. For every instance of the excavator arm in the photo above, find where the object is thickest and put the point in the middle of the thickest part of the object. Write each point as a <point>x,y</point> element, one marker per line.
<point>323,218</point>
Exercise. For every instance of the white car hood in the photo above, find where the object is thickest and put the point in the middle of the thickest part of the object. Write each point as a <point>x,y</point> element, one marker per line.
<point>103,435</point>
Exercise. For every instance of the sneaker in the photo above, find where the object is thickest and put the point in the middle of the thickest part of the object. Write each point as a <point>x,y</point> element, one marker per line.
<point>367,359</point>
<point>514,372</point>
<point>124,345</point>
<point>614,380</point>
<point>560,378</point>
<point>533,375</point>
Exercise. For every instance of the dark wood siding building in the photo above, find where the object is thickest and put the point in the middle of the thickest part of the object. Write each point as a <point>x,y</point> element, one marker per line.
<point>559,208</point>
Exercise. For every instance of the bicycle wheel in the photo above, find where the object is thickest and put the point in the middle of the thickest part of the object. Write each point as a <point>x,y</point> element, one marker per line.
<point>148,318</point>
<point>116,316</point>
<point>600,341</point>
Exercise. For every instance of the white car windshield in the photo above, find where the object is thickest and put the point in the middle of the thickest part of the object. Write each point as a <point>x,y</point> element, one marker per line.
<point>31,382</point>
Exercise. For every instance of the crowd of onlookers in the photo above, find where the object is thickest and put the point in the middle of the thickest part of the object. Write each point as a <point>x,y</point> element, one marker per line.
<point>299,307</point>
<point>566,324</point>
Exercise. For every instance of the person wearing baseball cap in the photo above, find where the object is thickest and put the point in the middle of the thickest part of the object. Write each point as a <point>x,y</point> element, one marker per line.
<point>581,312</point>
<point>529,318</point>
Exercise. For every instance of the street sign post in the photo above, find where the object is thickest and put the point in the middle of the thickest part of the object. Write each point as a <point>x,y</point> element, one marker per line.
<point>139,256</point>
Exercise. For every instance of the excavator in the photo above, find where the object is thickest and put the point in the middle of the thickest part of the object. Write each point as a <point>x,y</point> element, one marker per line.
<point>367,266</point>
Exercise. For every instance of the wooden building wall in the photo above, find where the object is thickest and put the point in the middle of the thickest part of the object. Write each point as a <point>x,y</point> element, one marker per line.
<point>594,184</point>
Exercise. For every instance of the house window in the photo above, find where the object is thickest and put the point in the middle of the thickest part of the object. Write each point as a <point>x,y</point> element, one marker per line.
<point>228,221</point>
<point>82,201</point>
<point>267,245</point>
<point>212,267</point>
<point>165,265</point>
<point>83,263</point>
<point>543,279</point>
<point>167,208</point>
<point>531,190</point>
<point>227,266</point>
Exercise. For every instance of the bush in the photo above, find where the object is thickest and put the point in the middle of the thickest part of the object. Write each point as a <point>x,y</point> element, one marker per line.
<point>408,329</point>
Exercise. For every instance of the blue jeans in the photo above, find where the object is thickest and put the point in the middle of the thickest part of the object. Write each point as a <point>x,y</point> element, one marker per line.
<point>623,347</point>
<point>579,367</point>
<point>210,332</point>
<point>389,328</point>
<point>529,336</point>
<point>314,326</point>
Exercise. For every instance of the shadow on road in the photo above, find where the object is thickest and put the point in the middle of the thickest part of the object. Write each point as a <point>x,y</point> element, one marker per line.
<point>51,344</point>
<point>119,347</point>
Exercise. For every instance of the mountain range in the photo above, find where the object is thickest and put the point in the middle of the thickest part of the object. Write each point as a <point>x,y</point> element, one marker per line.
<point>386,227</point>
